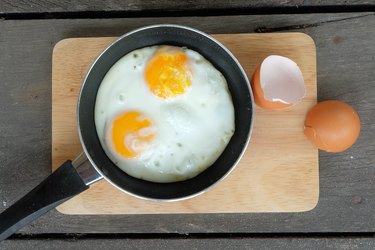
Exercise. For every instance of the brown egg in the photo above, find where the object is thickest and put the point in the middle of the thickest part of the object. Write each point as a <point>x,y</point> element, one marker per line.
<point>332,126</point>
<point>277,83</point>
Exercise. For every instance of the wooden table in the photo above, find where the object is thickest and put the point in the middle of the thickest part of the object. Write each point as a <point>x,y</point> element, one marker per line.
<point>345,41</point>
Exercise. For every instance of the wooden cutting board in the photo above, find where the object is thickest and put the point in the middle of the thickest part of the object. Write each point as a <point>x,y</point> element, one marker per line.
<point>278,172</point>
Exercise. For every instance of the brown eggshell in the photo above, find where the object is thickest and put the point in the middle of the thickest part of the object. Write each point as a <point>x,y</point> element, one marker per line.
<point>332,126</point>
<point>259,94</point>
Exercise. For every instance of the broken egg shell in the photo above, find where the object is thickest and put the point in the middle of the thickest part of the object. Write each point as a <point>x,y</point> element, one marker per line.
<point>259,94</point>
<point>277,83</point>
<point>333,126</point>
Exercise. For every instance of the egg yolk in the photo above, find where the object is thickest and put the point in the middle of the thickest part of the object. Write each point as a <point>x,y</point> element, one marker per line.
<point>168,74</point>
<point>132,133</point>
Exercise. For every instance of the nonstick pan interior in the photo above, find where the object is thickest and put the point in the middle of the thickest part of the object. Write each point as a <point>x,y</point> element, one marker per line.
<point>212,51</point>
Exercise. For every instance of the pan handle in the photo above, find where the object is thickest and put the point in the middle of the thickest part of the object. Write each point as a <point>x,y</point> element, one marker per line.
<point>70,179</point>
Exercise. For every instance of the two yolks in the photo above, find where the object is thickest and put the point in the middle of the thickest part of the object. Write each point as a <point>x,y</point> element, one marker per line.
<point>167,75</point>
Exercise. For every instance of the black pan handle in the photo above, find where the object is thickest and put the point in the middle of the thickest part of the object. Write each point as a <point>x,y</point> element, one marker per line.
<point>61,185</point>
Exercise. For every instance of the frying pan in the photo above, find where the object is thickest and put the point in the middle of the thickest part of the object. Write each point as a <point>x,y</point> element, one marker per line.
<point>73,177</point>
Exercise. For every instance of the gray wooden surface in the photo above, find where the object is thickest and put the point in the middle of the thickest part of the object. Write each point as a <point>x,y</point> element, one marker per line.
<point>192,243</point>
<point>345,50</point>
<point>156,7</point>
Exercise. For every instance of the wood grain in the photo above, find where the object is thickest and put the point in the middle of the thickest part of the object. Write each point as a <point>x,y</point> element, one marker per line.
<point>58,8</point>
<point>278,172</point>
<point>259,243</point>
<point>345,72</point>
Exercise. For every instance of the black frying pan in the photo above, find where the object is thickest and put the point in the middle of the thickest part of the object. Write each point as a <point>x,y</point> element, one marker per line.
<point>92,165</point>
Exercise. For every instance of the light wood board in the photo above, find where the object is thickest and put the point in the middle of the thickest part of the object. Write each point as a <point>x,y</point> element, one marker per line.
<point>278,172</point>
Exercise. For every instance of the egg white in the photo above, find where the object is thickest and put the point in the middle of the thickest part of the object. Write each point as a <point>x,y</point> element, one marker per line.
<point>192,129</point>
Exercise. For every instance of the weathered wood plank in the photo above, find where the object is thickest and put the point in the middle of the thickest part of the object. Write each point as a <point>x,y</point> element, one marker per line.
<point>345,71</point>
<point>155,6</point>
<point>192,243</point>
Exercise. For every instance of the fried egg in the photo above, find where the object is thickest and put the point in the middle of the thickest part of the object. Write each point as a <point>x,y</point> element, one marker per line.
<point>164,113</point>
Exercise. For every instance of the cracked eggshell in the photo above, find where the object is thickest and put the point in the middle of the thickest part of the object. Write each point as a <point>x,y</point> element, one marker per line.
<point>277,83</point>
<point>332,126</point>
